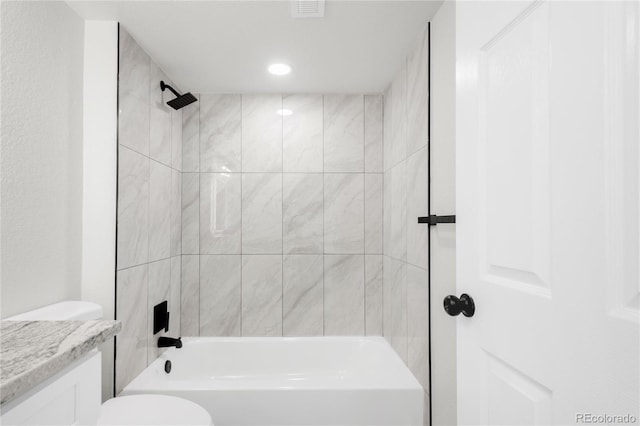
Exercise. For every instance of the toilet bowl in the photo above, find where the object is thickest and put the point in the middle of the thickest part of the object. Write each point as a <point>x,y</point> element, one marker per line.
<point>152,410</point>
<point>132,409</point>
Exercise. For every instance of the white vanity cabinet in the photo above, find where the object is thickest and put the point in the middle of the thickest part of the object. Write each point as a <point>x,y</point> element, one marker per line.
<point>70,397</point>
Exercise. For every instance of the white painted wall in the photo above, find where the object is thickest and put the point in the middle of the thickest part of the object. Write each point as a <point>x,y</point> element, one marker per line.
<point>41,154</point>
<point>100,176</point>
<point>443,237</point>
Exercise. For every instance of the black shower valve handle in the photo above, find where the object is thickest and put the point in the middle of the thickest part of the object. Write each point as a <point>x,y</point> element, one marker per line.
<point>161,317</point>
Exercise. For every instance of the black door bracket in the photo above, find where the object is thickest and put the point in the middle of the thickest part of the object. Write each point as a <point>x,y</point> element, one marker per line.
<point>434,220</point>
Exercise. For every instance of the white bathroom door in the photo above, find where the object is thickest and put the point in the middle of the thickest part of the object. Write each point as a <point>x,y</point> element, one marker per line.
<point>547,163</point>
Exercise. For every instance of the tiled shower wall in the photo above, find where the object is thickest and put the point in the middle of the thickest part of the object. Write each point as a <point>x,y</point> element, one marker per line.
<point>257,224</point>
<point>149,209</point>
<point>282,215</point>
<point>406,161</point>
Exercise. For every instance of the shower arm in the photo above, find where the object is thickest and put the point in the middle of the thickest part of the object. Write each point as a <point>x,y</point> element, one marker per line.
<point>166,86</point>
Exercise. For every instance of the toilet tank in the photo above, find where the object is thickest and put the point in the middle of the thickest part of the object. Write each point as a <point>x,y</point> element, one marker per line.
<point>69,310</point>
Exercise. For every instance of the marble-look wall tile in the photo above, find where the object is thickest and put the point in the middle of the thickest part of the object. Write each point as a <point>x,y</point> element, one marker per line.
<point>395,120</point>
<point>149,209</point>
<point>159,290</point>
<point>398,299</point>
<point>159,117</point>
<point>134,63</point>
<point>220,199</point>
<point>302,133</point>
<point>386,297</point>
<point>316,217</point>
<point>133,95</point>
<point>399,117</point>
<point>176,140</point>
<point>261,133</point>
<point>190,213</point>
<point>261,213</point>
<point>373,294</point>
<point>190,296</point>
<point>373,132</point>
<point>344,295</point>
<point>343,133</point>
<point>191,137</point>
<point>418,323</point>
<point>426,409</point>
<point>176,213</point>
<point>396,202</point>
<point>373,201</point>
<point>159,211</point>
<point>220,133</point>
<point>386,214</point>
<point>302,292</point>
<point>343,213</point>
<point>417,205</point>
<point>405,197</point>
<point>220,295</point>
<point>133,124</point>
<point>262,295</point>
<point>133,208</point>
<point>386,128</point>
<point>131,342</point>
<point>303,212</point>
<point>174,295</point>
<point>418,95</point>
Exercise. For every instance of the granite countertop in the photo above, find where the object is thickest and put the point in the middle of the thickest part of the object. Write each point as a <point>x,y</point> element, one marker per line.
<point>33,351</point>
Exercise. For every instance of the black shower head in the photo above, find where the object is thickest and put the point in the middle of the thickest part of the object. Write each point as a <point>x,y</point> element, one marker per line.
<point>180,101</point>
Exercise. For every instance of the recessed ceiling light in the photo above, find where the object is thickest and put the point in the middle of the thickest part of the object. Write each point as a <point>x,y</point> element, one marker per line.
<point>279,69</point>
<point>284,111</point>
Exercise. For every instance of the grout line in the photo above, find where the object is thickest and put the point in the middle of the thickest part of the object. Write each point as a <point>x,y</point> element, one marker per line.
<point>364,215</point>
<point>286,173</point>
<point>323,225</point>
<point>147,156</point>
<point>241,213</point>
<point>282,217</point>
<point>383,100</point>
<point>146,306</point>
<point>199,178</point>
<point>262,173</point>
<point>198,287</point>
<point>406,207</point>
<point>281,253</point>
<point>199,128</point>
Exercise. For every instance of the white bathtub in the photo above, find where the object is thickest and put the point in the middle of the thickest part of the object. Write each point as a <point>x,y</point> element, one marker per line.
<point>289,381</point>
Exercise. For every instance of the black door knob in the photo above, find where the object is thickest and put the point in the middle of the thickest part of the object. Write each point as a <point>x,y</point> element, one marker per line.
<point>454,306</point>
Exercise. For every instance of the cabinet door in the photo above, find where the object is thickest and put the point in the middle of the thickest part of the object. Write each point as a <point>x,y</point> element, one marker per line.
<point>71,397</point>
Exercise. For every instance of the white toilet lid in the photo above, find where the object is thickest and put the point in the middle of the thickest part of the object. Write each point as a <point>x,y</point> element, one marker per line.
<point>152,410</point>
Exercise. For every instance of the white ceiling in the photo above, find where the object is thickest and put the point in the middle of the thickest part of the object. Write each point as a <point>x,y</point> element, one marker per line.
<point>225,46</point>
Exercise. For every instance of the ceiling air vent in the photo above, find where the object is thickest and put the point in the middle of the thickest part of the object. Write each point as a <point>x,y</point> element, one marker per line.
<point>307,8</point>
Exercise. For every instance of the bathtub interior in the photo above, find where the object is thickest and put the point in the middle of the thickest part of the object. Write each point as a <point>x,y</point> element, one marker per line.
<point>259,362</point>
